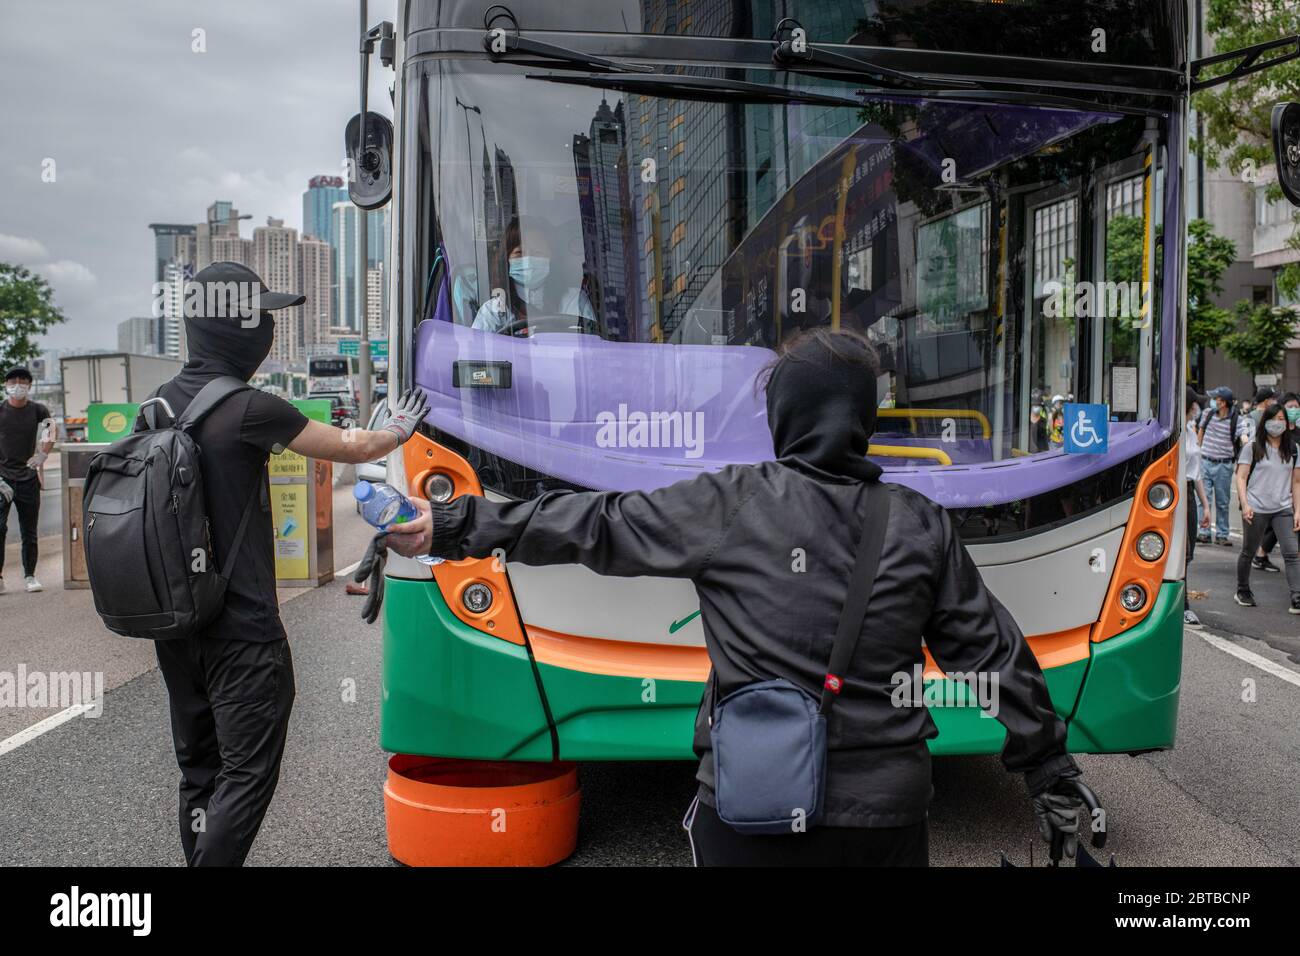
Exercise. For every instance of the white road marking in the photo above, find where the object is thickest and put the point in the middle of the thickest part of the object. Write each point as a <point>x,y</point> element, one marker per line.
<point>1250,657</point>
<point>346,571</point>
<point>49,723</point>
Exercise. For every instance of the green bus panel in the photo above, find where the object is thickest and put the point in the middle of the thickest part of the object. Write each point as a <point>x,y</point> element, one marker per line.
<point>452,691</point>
<point>1130,696</point>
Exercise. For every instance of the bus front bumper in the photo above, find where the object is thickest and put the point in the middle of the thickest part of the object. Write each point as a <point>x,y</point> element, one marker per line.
<point>452,691</point>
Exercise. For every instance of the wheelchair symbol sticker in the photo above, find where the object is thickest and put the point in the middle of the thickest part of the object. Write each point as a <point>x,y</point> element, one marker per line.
<point>1087,429</point>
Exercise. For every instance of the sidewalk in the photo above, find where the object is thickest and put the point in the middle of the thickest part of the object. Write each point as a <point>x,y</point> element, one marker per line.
<point>57,630</point>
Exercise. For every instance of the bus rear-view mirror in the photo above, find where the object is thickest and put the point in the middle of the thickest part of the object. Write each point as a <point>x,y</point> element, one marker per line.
<point>1286,149</point>
<point>370,163</point>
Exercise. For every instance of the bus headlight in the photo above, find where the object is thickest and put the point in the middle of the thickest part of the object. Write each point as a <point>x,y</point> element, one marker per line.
<point>1133,597</point>
<point>1160,495</point>
<point>438,488</point>
<point>1150,546</point>
<point>477,598</point>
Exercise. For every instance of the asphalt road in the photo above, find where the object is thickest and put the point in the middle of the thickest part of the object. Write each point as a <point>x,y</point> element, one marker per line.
<point>102,790</point>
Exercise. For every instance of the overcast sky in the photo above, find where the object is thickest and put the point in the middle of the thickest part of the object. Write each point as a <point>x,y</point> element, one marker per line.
<point>141,129</point>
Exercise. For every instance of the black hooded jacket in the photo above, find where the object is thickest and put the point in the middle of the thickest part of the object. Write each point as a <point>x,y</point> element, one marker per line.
<point>235,441</point>
<point>770,549</point>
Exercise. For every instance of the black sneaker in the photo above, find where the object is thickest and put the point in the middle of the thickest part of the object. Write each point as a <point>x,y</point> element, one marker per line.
<point>1295,604</point>
<point>1223,542</point>
<point>1245,599</point>
<point>1264,564</point>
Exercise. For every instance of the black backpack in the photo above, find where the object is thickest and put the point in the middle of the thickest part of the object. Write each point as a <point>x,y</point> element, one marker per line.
<point>147,537</point>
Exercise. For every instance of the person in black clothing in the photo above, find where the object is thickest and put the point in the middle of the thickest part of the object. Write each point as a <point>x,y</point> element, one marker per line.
<point>231,688</point>
<point>732,533</point>
<point>24,443</point>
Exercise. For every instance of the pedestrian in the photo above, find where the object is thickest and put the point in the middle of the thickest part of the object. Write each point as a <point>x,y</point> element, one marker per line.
<point>1195,492</point>
<point>231,687</point>
<point>1223,430</point>
<point>1268,483</point>
<point>26,438</point>
<point>1265,397</point>
<point>1262,562</point>
<point>732,534</point>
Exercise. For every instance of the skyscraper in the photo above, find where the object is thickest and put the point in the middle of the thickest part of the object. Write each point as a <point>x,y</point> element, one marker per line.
<point>171,241</point>
<point>315,270</point>
<point>318,221</point>
<point>318,204</point>
<point>275,257</point>
<point>140,335</point>
<point>217,239</point>
<point>343,241</point>
<point>609,242</point>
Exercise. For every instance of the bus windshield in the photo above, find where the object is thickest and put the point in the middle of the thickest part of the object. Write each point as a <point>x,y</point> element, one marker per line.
<point>634,261</point>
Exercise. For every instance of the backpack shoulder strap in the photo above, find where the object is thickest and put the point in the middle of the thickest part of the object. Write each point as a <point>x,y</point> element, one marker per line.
<point>228,566</point>
<point>210,396</point>
<point>874,527</point>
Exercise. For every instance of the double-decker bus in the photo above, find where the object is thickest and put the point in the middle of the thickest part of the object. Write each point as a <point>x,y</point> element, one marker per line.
<point>329,375</point>
<point>607,216</point>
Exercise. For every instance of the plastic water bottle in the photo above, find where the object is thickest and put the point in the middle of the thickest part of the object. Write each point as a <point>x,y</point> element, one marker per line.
<point>382,505</point>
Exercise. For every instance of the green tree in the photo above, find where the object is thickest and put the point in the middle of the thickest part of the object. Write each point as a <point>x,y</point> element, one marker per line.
<point>1236,132</point>
<point>1259,345</point>
<point>26,312</point>
<point>1208,257</point>
<point>1236,115</point>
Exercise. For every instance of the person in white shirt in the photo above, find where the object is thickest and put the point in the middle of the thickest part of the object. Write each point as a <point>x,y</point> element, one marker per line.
<point>1195,492</point>
<point>1268,483</point>
<point>527,261</point>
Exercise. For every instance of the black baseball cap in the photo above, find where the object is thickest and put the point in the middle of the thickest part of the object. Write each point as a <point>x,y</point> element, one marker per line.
<point>18,371</point>
<point>254,295</point>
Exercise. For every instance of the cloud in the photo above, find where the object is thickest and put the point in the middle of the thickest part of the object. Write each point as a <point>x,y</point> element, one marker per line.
<point>65,272</point>
<point>21,249</point>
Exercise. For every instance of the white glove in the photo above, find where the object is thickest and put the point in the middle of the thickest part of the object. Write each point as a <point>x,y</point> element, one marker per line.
<point>37,460</point>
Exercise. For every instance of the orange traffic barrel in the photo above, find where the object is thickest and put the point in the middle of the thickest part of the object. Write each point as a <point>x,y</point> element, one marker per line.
<point>443,811</point>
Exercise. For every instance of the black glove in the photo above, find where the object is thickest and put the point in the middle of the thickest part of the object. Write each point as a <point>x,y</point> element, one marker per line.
<point>1056,804</point>
<point>1059,813</point>
<point>407,414</point>
<point>372,567</point>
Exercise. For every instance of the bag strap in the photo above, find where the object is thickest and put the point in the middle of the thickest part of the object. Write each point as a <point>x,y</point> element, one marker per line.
<point>210,396</point>
<point>874,525</point>
<point>228,565</point>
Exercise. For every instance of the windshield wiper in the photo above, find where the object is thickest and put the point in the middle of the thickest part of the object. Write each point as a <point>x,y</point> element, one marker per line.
<point>502,44</point>
<point>707,88</point>
<point>795,54</point>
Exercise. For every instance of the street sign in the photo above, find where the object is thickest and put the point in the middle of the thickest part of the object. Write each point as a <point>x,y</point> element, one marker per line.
<point>378,347</point>
<point>1087,429</point>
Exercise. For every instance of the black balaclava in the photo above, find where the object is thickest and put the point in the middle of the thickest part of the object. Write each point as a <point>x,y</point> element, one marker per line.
<point>821,408</point>
<point>225,347</point>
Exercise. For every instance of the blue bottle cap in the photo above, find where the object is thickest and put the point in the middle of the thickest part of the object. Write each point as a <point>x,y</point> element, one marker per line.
<point>363,490</point>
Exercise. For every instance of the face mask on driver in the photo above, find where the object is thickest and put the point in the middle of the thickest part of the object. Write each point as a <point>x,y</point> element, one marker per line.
<point>530,271</point>
<point>1275,427</point>
<point>17,391</point>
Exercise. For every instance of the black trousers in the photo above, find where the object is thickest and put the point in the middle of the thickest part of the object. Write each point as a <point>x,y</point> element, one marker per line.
<point>230,704</point>
<point>715,843</point>
<point>27,502</point>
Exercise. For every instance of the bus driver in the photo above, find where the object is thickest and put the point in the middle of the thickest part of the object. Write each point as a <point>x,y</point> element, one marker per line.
<point>526,259</point>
